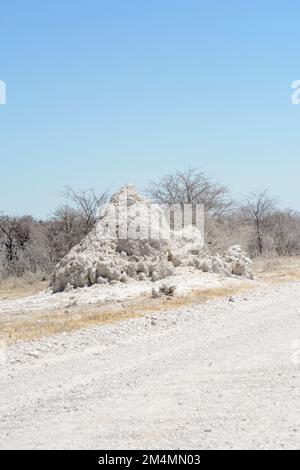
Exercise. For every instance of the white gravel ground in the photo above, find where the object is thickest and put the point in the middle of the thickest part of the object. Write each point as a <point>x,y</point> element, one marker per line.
<point>186,279</point>
<point>217,375</point>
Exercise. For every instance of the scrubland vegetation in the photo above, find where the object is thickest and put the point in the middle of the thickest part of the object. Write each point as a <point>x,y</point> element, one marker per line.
<point>30,248</point>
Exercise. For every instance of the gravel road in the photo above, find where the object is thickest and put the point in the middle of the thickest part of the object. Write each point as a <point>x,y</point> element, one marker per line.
<point>224,374</point>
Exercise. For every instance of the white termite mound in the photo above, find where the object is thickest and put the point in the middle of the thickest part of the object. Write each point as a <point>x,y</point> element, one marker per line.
<point>117,249</point>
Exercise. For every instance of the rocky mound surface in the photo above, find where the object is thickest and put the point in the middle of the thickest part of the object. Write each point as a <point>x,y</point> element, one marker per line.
<point>105,255</point>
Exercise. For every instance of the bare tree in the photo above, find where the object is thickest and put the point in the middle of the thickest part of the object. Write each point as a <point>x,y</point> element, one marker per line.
<point>284,228</point>
<point>191,187</point>
<point>72,221</point>
<point>15,233</point>
<point>65,230</point>
<point>87,203</point>
<point>257,209</point>
<point>7,229</point>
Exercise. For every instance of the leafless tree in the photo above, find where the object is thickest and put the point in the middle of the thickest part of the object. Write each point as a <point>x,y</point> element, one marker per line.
<point>15,233</point>
<point>64,231</point>
<point>256,211</point>
<point>191,187</point>
<point>284,228</point>
<point>87,203</point>
<point>73,220</point>
<point>29,246</point>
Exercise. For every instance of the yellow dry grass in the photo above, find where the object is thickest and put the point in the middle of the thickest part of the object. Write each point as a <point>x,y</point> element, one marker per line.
<point>17,288</point>
<point>33,326</point>
<point>52,322</point>
<point>278,270</point>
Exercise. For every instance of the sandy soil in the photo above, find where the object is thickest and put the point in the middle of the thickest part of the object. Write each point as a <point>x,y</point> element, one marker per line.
<point>220,374</point>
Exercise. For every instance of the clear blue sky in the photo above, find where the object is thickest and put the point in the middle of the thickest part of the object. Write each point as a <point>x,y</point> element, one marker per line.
<point>100,93</point>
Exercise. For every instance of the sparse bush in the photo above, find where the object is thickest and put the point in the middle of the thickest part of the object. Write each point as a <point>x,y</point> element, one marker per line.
<point>29,247</point>
<point>256,223</point>
<point>192,187</point>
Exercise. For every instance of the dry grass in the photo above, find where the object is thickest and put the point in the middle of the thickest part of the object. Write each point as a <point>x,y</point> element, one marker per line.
<point>49,322</point>
<point>278,270</point>
<point>18,287</point>
<point>272,271</point>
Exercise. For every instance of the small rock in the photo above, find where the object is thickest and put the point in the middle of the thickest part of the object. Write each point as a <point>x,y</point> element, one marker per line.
<point>101,280</point>
<point>231,299</point>
<point>34,354</point>
<point>155,294</point>
<point>69,287</point>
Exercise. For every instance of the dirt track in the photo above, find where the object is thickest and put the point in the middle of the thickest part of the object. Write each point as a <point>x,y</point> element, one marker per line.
<point>220,375</point>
